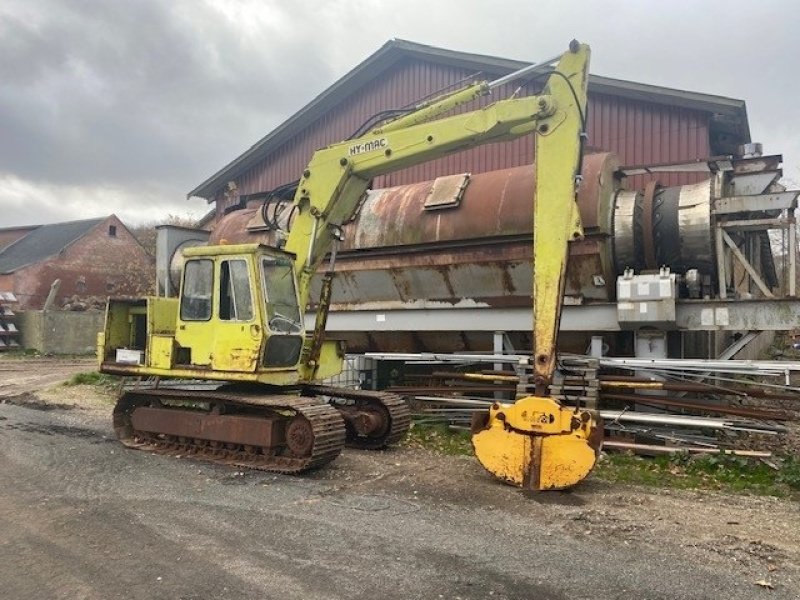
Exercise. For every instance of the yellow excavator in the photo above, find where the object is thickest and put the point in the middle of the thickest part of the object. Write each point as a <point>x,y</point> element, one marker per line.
<point>238,318</point>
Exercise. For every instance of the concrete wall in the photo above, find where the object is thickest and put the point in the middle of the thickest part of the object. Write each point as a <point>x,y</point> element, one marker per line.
<point>60,332</point>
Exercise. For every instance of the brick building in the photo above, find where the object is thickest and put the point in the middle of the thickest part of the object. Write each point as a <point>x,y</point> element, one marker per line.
<point>92,259</point>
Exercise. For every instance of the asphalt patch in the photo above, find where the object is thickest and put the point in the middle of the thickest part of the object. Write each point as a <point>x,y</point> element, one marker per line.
<point>375,503</point>
<point>555,497</point>
<point>245,477</point>
<point>64,430</point>
<point>29,400</point>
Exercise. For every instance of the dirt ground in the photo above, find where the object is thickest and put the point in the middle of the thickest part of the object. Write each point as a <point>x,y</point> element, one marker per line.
<point>82,517</point>
<point>26,375</point>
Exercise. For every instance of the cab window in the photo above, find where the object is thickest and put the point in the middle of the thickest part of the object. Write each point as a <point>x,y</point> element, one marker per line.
<point>235,300</point>
<point>198,285</point>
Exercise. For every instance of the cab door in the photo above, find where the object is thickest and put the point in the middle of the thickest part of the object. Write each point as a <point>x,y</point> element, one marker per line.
<point>283,316</point>
<point>218,326</point>
<point>237,330</point>
<point>194,334</point>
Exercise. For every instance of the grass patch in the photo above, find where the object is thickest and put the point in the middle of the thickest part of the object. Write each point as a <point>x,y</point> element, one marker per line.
<point>723,472</point>
<point>93,378</point>
<point>439,438</point>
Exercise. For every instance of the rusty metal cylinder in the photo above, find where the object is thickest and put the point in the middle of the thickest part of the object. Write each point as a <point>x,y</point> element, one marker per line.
<point>468,239</point>
<point>465,240</point>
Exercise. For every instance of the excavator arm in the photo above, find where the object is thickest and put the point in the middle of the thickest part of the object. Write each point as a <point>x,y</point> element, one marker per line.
<point>536,443</point>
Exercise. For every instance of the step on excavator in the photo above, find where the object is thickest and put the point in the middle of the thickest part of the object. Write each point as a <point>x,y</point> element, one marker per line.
<point>238,320</point>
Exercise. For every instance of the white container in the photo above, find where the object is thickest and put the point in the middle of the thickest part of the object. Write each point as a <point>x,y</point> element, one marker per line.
<point>131,357</point>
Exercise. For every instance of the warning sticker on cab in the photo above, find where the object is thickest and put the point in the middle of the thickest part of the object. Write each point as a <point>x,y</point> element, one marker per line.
<point>370,146</point>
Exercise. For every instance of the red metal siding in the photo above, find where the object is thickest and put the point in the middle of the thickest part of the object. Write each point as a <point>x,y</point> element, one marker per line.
<point>642,133</point>
<point>639,132</point>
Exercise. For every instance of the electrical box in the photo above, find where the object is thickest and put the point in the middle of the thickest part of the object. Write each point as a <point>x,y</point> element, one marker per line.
<point>646,299</point>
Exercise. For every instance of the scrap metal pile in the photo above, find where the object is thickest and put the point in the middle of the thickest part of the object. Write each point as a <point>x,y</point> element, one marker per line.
<point>649,406</point>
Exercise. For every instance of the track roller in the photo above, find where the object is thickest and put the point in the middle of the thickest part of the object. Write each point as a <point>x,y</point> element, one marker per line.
<point>281,433</point>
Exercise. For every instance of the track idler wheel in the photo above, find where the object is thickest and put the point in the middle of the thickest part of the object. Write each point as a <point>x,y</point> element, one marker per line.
<point>536,443</point>
<point>374,420</point>
<point>299,436</point>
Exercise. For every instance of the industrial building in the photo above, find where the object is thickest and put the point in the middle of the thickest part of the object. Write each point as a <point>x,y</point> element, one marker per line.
<point>676,204</point>
<point>642,124</point>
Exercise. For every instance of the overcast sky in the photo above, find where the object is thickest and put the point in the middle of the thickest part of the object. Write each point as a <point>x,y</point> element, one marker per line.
<point>124,106</point>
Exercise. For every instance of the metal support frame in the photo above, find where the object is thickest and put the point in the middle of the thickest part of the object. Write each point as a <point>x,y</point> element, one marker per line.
<point>498,348</point>
<point>775,314</point>
<point>721,266</point>
<point>792,253</point>
<point>754,276</point>
<point>736,213</point>
<point>738,345</point>
<point>754,224</point>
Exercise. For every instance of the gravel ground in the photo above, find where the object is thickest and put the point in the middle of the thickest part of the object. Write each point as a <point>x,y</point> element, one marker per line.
<point>82,517</point>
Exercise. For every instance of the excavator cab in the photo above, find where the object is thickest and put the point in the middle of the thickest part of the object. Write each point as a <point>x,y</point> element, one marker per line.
<point>239,309</point>
<point>237,318</point>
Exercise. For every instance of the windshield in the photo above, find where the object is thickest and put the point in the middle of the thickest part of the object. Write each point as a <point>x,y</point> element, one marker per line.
<point>283,314</point>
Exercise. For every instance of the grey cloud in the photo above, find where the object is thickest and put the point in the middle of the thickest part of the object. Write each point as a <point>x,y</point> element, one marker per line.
<point>155,95</point>
<point>117,92</point>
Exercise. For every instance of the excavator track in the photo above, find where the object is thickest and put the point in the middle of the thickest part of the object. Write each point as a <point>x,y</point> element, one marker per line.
<point>306,433</point>
<point>374,420</point>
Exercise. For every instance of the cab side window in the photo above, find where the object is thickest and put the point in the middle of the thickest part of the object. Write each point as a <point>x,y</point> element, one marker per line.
<point>283,314</point>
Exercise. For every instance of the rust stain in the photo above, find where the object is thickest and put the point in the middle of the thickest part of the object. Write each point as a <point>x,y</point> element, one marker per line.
<point>598,182</point>
<point>401,283</point>
<point>508,282</point>
<point>444,271</point>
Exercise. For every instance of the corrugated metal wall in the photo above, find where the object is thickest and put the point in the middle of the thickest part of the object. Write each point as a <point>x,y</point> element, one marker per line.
<point>639,132</point>
<point>642,133</point>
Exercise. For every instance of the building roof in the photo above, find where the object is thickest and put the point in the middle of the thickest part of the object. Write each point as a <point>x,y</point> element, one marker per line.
<point>730,114</point>
<point>42,242</point>
<point>18,228</point>
<point>9,235</point>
